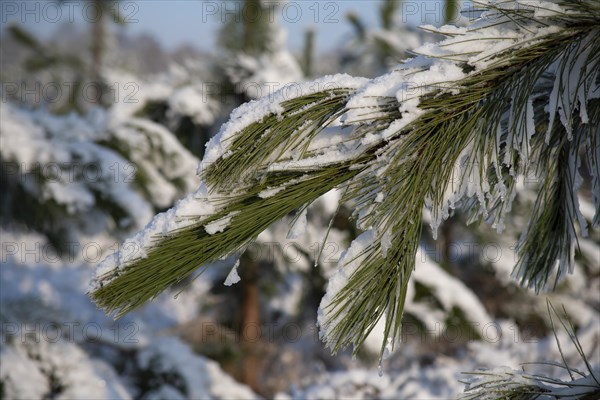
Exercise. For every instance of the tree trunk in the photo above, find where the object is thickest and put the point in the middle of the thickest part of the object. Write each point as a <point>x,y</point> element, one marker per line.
<point>250,325</point>
<point>451,11</point>
<point>309,46</point>
<point>251,15</point>
<point>98,37</point>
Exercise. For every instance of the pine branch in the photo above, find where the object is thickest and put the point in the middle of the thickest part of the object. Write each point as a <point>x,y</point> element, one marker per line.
<point>505,383</point>
<point>183,251</point>
<point>170,252</point>
<point>415,171</point>
<point>275,135</point>
<point>447,129</point>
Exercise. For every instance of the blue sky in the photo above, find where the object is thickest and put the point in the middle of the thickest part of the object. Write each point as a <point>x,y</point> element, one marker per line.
<point>174,22</point>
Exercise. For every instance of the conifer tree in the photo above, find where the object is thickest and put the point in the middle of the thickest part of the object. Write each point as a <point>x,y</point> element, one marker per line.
<point>373,51</point>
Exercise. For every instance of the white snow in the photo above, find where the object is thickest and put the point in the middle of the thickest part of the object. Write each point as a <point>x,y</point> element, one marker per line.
<point>202,378</point>
<point>193,101</point>
<point>37,295</point>
<point>16,368</point>
<point>70,169</point>
<point>299,226</point>
<point>256,110</point>
<point>233,277</point>
<point>220,224</point>
<point>265,194</point>
<point>449,291</point>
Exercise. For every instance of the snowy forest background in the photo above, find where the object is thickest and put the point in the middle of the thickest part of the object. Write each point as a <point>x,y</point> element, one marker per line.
<point>100,130</point>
